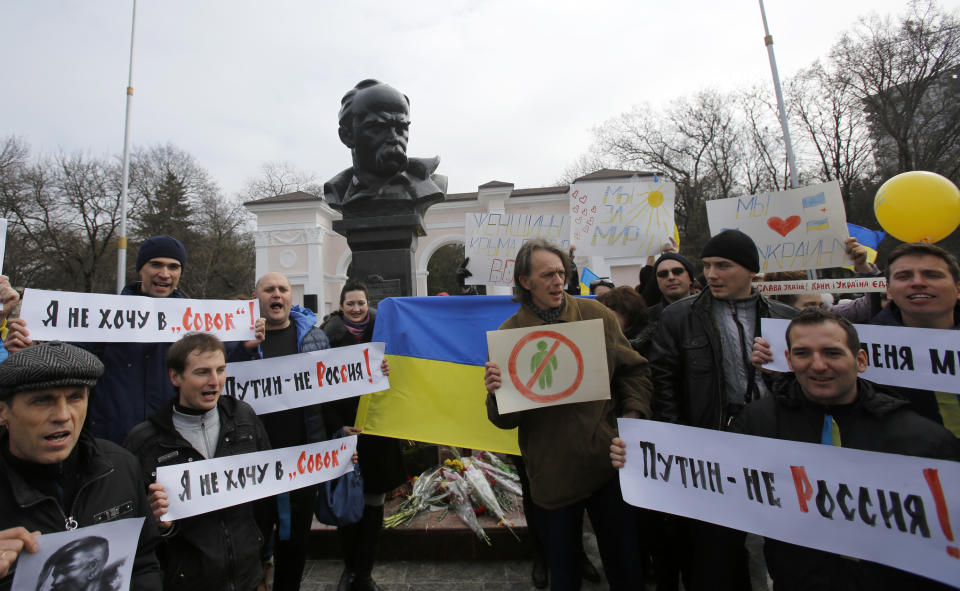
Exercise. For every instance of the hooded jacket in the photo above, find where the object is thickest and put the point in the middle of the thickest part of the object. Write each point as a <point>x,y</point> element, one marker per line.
<point>215,550</point>
<point>566,447</point>
<point>309,338</point>
<point>875,421</point>
<point>109,488</point>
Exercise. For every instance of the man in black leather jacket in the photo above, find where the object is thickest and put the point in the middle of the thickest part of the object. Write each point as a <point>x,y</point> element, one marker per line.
<point>703,376</point>
<point>220,549</point>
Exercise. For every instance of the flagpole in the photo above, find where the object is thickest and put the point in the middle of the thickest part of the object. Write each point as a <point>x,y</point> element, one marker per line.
<point>768,41</point>
<point>122,239</point>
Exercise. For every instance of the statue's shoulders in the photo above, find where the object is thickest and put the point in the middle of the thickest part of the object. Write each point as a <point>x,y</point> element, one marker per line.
<point>335,190</point>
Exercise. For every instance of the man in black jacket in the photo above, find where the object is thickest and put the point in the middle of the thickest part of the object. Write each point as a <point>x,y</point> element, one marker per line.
<point>828,404</point>
<point>703,376</point>
<point>215,550</point>
<point>54,475</point>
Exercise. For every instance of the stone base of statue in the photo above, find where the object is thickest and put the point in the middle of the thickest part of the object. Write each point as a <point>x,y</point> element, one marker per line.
<point>383,252</point>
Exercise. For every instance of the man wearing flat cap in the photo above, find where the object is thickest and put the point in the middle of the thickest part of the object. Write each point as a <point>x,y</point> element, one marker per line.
<point>54,475</point>
<point>135,382</point>
<point>703,376</point>
<point>375,125</point>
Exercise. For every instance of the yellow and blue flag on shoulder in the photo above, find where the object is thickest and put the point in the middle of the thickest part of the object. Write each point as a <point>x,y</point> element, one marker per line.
<point>437,347</point>
<point>870,239</point>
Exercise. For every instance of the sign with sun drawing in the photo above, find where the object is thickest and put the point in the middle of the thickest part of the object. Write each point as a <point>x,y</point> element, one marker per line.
<point>795,230</point>
<point>622,218</point>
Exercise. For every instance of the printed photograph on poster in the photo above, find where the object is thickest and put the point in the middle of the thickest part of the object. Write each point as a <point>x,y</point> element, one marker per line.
<point>629,219</point>
<point>96,557</point>
<point>798,229</point>
<point>493,239</point>
<point>105,318</point>
<point>293,381</point>
<point>550,365</point>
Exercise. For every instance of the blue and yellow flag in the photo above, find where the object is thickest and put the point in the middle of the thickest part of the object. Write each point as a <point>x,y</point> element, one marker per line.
<point>586,276</point>
<point>436,348</point>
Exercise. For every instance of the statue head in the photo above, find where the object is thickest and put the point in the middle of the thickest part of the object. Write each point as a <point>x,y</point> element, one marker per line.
<point>375,124</point>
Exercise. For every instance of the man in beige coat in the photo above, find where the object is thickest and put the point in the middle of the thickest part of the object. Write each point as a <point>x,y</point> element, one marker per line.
<point>565,447</point>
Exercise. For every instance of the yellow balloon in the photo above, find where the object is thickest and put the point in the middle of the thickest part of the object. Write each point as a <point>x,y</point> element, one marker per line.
<point>918,206</point>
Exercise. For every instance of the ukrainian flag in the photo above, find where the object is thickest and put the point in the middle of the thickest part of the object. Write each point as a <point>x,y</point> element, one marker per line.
<point>586,276</point>
<point>437,347</point>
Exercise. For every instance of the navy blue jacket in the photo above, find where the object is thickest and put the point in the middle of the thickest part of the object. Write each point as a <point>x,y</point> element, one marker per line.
<point>134,381</point>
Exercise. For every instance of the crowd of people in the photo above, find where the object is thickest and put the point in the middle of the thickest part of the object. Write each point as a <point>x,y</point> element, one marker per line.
<point>85,426</point>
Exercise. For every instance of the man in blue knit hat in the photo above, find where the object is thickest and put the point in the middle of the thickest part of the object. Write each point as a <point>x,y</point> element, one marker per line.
<point>135,381</point>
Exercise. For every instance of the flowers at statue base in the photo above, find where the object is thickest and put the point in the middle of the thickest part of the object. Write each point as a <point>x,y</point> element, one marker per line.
<point>469,486</point>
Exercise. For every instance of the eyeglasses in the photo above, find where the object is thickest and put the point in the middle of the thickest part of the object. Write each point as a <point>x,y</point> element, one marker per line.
<point>598,282</point>
<point>678,271</point>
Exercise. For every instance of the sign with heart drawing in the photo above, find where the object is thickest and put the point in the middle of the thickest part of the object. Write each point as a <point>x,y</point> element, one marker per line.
<point>797,229</point>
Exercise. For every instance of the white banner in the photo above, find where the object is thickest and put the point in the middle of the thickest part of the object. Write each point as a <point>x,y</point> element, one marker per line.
<point>493,240</point>
<point>858,285</point>
<point>550,365</point>
<point>885,508</point>
<point>200,487</point>
<point>621,219</point>
<point>796,229</point>
<point>292,381</point>
<point>105,318</point>
<point>95,557</point>
<point>925,358</point>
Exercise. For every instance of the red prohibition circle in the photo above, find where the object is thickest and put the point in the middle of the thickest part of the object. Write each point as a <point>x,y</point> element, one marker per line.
<point>528,392</point>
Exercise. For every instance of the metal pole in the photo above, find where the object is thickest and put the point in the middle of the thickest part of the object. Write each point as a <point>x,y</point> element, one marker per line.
<point>768,41</point>
<point>122,239</point>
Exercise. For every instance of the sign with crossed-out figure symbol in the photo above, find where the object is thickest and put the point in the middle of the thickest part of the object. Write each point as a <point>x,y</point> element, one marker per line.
<point>541,348</point>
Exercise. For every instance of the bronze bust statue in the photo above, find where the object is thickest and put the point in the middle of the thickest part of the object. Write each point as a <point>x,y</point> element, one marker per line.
<point>375,125</point>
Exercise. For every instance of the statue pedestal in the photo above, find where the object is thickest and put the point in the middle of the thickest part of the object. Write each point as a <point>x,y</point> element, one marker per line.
<point>383,248</point>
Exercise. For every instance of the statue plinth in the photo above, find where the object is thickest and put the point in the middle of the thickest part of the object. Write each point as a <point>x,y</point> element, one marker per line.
<point>383,252</point>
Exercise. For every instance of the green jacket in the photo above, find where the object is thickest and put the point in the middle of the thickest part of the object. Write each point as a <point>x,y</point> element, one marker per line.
<point>566,447</point>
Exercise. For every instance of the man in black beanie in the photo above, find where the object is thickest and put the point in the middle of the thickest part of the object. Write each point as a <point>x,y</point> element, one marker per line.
<point>702,377</point>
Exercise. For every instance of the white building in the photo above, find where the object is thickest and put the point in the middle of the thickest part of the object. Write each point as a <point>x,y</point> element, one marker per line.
<point>294,235</point>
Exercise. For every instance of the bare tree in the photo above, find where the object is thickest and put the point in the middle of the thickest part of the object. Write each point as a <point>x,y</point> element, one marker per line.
<point>833,126</point>
<point>696,143</point>
<point>278,178</point>
<point>906,75</point>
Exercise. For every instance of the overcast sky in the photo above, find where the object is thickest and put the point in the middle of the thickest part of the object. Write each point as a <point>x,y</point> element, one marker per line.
<point>505,90</point>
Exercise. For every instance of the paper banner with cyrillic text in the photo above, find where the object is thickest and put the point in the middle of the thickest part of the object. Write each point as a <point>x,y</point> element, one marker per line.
<point>61,554</point>
<point>550,365</point>
<point>105,318</point>
<point>633,218</point>
<point>797,229</point>
<point>886,508</point>
<point>493,240</point>
<point>925,358</point>
<point>200,487</point>
<point>855,285</point>
<point>292,381</point>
